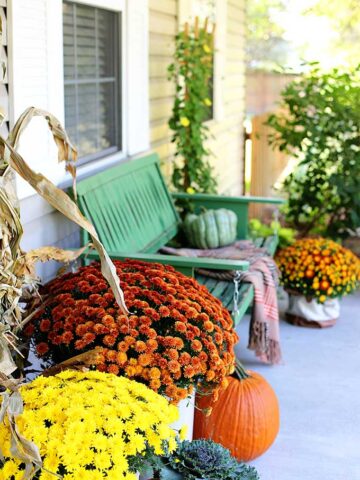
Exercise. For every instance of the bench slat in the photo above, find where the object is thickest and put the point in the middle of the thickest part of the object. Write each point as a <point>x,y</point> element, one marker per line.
<point>130,206</point>
<point>133,211</point>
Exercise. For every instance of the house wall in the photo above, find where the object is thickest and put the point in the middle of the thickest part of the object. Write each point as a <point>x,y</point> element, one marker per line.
<point>227,129</point>
<point>43,226</point>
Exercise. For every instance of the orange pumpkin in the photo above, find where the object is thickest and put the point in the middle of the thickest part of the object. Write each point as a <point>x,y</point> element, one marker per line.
<point>245,418</point>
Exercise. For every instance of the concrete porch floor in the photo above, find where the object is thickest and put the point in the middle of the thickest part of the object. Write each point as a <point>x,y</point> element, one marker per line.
<point>318,388</point>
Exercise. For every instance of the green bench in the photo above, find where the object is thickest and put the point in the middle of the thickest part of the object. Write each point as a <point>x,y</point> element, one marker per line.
<point>135,216</point>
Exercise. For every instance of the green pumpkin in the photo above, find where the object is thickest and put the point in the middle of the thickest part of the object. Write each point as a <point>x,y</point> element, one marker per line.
<point>211,229</point>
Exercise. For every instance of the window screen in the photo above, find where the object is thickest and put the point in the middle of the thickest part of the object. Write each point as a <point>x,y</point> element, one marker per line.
<point>92,79</point>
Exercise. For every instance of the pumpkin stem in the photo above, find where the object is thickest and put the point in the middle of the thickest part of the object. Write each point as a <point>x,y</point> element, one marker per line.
<point>240,371</point>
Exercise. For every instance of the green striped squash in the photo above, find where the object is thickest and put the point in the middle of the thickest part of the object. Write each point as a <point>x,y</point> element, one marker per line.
<point>211,229</point>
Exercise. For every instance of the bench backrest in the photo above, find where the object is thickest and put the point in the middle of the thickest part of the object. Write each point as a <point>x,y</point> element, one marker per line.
<point>130,206</point>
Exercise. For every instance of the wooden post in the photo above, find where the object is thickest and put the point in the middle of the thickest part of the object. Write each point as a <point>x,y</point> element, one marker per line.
<point>267,166</point>
<point>196,27</point>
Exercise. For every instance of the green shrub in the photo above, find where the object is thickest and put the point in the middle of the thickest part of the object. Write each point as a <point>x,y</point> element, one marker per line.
<point>258,229</point>
<point>319,124</point>
<point>191,71</point>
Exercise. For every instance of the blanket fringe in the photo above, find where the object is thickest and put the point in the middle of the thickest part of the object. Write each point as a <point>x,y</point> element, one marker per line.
<point>266,349</point>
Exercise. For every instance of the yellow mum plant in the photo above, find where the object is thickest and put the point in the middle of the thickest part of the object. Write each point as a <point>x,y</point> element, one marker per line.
<point>89,426</point>
<point>318,268</point>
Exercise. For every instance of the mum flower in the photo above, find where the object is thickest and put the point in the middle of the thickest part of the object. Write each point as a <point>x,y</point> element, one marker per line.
<point>86,426</point>
<point>318,268</point>
<point>176,334</point>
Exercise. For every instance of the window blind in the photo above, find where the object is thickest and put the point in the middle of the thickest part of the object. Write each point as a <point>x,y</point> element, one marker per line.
<point>92,79</point>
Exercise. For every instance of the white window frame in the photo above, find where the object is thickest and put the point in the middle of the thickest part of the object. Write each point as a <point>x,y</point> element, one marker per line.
<point>134,76</point>
<point>101,163</point>
<point>185,14</point>
<point>115,5</point>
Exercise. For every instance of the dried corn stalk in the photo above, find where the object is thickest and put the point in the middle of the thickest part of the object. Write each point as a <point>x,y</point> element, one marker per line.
<point>17,272</point>
<point>16,268</point>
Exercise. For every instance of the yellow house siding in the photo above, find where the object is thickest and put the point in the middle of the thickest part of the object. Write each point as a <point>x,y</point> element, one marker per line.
<point>163,28</point>
<point>227,145</point>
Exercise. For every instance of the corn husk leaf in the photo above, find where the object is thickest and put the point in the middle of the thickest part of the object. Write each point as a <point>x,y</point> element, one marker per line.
<point>26,264</point>
<point>81,362</point>
<point>17,269</point>
<point>53,195</point>
<point>7,364</point>
<point>11,407</point>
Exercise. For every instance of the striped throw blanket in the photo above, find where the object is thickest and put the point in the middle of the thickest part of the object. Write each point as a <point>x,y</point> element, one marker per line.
<point>264,334</point>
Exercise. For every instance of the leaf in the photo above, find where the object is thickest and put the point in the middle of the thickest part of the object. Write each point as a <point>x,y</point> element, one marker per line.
<point>45,254</point>
<point>53,195</point>
<point>7,365</point>
<point>80,362</point>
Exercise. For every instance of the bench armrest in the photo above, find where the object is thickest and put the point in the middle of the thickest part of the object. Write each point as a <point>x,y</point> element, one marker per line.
<point>183,264</point>
<point>239,205</point>
<point>204,198</point>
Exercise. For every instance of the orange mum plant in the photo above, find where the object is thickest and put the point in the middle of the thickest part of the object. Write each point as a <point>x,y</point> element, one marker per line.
<point>177,335</point>
<point>318,268</point>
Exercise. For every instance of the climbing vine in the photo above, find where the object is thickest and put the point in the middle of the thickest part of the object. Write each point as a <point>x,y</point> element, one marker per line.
<point>192,72</point>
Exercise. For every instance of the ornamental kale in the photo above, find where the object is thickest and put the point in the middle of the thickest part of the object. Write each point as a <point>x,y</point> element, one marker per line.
<point>205,459</point>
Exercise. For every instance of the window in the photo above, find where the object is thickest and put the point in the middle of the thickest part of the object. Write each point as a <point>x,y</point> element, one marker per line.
<point>91,40</point>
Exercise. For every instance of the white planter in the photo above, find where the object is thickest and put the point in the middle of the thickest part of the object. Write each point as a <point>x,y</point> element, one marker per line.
<point>312,314</point>
<point>186,416</point>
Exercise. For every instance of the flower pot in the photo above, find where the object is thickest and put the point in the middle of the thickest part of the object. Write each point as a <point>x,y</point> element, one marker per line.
<point>186,416</point>
<point>310,313</point>
<point>353,244</point>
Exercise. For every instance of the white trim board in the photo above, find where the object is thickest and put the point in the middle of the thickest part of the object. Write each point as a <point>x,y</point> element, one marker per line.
<point>36,78</point>
<point>116,5</point>
<point>186,10</point>
<point>138,118</point>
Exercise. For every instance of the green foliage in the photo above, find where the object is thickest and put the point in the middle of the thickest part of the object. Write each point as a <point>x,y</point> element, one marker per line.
<point>320,126</point>
<point>266,47</point>
<point>286,235</point>
<point>344,17</point>
<point>205,459</point>
<point>192,71</point>
<point>271,43</point>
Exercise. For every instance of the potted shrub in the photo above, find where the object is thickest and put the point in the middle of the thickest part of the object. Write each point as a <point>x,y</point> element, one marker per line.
<point>178,336</point>
<point>316,272</point>
<point>318,124</point>
<point>86,425</point>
